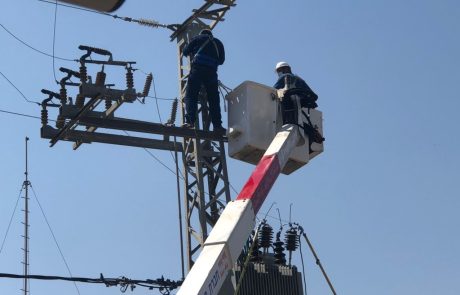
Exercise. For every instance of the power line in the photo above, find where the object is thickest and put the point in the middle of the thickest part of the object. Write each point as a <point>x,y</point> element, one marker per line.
<point>54,237</point>
<point>160,98</point>
<point>155,157</point>
<point>303,267</point>
<point>161,121</point>
<point>164,286</point>
<point>17,89</point>
<point>54,40</point>
<point>33,48</point>
<point>156,100</point>
<point>22,115</point>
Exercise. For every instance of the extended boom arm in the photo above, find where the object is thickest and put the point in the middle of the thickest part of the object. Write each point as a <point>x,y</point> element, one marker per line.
<point>223,246</point>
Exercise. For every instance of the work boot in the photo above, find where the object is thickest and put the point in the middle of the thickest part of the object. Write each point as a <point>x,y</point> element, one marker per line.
<point>220,130</point>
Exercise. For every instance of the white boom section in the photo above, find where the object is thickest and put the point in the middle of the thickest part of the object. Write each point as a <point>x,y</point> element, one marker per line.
<point>223,246</point>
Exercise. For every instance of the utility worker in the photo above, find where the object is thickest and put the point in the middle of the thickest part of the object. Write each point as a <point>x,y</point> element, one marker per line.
<point>283,69</point>
<point>206,54</point>
<point>297,86</point>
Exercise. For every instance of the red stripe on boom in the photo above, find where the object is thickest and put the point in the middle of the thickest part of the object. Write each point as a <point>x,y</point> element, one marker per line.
<point>261,181</point>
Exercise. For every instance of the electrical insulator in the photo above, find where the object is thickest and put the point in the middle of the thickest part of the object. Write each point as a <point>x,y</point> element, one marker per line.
<point>129,78</point>
<point>63,95</point>
<point>291,239</point>
<point>172,118</point>
<point>100,78</point>
<point>280,257</point>
<point>255,253</point>
<point>108,103</point>
<point>44,116</point>
<point>148,83</point>
<point>265,236</point>
<point>83,73</point>
<point>80,101</point>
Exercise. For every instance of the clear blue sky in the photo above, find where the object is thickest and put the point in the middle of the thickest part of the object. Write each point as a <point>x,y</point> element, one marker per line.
<point>380,205</point>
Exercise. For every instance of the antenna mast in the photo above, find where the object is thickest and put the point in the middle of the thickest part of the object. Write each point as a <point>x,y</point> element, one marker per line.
<point>26,225</point>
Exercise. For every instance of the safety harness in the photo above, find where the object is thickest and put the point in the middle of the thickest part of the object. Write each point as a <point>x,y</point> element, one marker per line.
<point>210,59</point>
<point>289,107</point>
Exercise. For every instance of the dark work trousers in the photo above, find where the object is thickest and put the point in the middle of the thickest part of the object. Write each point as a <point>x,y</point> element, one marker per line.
<point>207,76</point>
<point>289,110</point>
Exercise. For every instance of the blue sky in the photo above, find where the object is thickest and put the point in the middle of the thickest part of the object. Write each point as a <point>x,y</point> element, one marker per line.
<point>380,204</point>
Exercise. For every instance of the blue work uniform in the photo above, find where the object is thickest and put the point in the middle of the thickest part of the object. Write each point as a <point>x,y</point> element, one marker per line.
<point>295,80</point>
<point>288,106</point>
<point>206,54</point>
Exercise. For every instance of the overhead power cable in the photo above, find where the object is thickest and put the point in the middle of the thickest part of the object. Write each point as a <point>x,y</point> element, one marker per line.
<point>140,21</point>
<point>31,47</point>
<point>156,100</point>
<point>155,157</point>
<point>303,268</point>
<point>164,286</point>
<point>54,40</point>
<point>22,115</point>
<point>17,89</point>
<point>160,98</point>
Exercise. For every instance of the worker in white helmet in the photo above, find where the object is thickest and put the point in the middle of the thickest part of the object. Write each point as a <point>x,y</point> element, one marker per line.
<point>283,69</point>
<point>293,84</point>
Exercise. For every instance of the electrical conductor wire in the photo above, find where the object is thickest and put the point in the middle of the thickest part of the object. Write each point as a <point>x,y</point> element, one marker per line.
<point>54,40</point>
<point>303,267</point>
<point>31,47</point>
<point>17,89</point>
<point>153,156</point>
<point>22,115</point>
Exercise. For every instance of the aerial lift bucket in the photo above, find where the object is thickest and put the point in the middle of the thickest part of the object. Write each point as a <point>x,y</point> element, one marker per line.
<point>254,118</point>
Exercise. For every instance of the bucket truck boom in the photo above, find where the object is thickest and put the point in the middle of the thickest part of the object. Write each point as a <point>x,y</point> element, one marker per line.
<point>255,128</point>
<point>223,246</point>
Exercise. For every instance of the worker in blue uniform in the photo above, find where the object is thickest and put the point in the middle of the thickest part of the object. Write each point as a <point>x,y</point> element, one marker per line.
<point>296,86</point>
<point>283,69</point>
<point>206,53</point>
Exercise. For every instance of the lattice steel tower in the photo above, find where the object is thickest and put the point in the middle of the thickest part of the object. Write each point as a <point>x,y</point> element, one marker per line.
<point>206,186</point>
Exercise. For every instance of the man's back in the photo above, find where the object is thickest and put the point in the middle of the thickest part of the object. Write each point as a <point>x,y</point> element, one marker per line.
<point>206,50</point>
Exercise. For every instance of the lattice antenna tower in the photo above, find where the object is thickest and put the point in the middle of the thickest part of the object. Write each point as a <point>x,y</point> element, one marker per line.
<point>25,262</point>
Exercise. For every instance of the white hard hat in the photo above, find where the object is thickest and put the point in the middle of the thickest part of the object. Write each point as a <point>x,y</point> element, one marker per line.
<point>281,64</point>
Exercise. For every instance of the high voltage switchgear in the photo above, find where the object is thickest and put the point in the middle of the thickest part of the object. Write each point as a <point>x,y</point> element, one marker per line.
<point>96,92</point>
<point>89,96</point>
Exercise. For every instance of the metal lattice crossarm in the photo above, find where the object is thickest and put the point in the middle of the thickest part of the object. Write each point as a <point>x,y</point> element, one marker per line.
<point>208,15</point>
